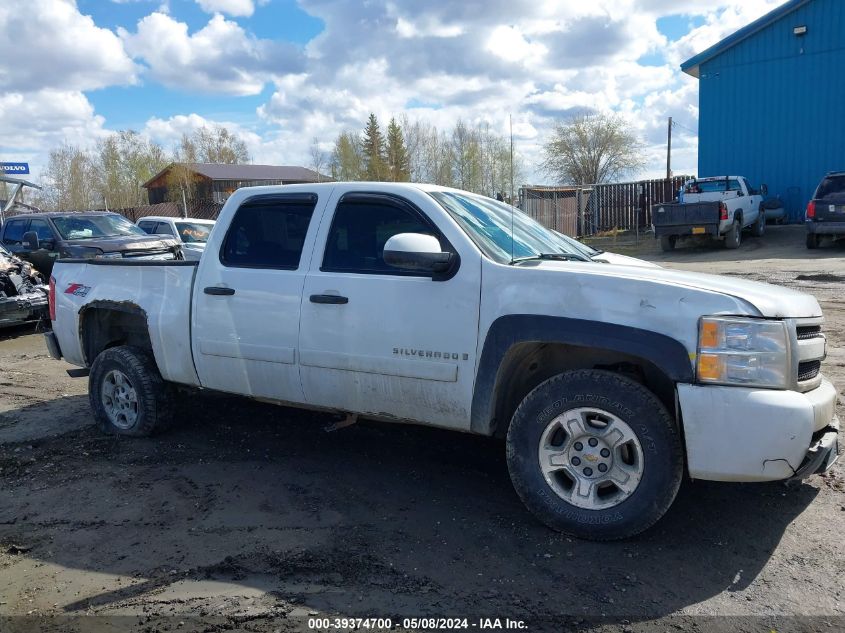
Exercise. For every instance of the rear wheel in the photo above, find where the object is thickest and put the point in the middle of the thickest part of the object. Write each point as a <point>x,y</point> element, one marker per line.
<point>812,240</point>
<point>127,393</point>
<point>760,225</point>
<point>595,455</point>
<point>667,242</point>
<point>733,238</point>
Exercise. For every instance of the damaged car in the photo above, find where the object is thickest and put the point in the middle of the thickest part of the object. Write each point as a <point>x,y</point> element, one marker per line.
<point>23,293</point>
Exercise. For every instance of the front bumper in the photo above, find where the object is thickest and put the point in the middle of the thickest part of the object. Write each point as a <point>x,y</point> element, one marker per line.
<point>23,308</point>
<point>746,434</point>
<point>824,227</point>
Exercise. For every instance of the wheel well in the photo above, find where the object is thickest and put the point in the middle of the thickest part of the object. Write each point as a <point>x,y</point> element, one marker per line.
<point>526,365</point>
<point>106,325</point>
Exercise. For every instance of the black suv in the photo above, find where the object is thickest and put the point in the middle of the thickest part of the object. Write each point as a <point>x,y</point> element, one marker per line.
<point>42,238</point>
<point>826,211</point>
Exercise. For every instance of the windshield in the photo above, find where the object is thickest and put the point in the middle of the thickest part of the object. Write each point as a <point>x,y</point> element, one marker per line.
<point>589,251</point>
<point>488,224</point>
<point>193,233</point>
<point>84,227</point>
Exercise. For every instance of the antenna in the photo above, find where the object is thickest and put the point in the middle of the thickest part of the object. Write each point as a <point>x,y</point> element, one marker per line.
<point>510,121</point>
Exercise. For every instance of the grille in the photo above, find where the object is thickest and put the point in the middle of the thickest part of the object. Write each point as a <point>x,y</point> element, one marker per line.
<point>808,370</point>
<point>808,331</point>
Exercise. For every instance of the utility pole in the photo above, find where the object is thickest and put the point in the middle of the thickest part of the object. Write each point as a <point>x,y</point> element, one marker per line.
<point>669,152</point>
<point>510,120</point>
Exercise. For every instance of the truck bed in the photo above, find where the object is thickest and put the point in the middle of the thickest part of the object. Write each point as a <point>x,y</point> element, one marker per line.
<point>160,289</point>
<point>694,218</point>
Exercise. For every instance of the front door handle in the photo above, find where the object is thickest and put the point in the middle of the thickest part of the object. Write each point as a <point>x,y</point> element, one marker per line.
<point>218,290</point>
<point>336,299</point>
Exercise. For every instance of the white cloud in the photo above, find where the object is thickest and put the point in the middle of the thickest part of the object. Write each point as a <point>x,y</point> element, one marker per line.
<point>50,44</point>
<point>237,8</point>
<point>219,58</point>
<point>32,123</point>
<point>477,60</point>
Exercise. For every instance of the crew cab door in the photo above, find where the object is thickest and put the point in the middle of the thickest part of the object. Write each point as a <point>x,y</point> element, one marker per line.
<point>247,297</point>
<point>382,341</point>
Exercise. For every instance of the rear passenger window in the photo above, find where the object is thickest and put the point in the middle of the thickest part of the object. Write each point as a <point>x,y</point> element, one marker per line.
<point>359,232</point>
<point>164,228</point>
<point>147,227</point>
<point>13,234</point>
<point>268,233</point>
<point>42,230</point>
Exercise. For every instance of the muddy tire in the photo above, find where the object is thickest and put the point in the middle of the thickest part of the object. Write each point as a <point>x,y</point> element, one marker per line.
<point>812,241</point>
<point>127,393</point>
<point>667,243</point>
<point>733,238</point>
<point>594,455</point>
<point>759,227</point>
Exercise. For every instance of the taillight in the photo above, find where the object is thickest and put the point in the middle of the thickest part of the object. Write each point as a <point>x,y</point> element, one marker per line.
<point>723,211</point>
<point>52,298</point>
<point>811,209</point>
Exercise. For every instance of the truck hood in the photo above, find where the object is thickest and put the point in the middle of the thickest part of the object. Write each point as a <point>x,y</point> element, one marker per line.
<point>765,299</point>
<point>126,243</point>
<point>622,260</point>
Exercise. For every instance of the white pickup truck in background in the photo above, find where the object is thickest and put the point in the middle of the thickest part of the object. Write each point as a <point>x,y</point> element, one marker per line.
<point>417,303</point>
<point>719,207</point>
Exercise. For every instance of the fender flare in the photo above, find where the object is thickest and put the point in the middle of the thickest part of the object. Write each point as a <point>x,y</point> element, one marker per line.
<point>666,353</point>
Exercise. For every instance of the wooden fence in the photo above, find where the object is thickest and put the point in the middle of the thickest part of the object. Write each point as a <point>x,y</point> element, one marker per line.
<point>590,209</point>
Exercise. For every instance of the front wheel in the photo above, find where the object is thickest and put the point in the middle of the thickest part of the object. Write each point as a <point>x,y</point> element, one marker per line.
<point>595,455</point>
<point>760,225</point>
<point>127,393</point>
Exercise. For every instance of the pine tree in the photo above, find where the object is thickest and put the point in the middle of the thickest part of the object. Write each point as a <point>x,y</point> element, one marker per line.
<point>397,155</point>
<point>374,154</point>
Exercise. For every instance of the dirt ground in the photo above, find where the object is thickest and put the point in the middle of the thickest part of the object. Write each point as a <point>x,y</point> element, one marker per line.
<point>246,516</point>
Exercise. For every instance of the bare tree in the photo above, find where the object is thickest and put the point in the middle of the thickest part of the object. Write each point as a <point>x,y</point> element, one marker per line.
<point>127,160</point>
<point>219,145</point>
<point>347,160</point>
<point>590,149</point>
<point>318,157</point>
<point>72,180</point>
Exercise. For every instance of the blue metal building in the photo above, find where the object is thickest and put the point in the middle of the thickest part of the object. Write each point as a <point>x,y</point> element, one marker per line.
<point>772,100</point>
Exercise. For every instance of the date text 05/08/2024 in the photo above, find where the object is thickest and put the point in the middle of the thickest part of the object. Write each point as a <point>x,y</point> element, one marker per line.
<point>414,624</point>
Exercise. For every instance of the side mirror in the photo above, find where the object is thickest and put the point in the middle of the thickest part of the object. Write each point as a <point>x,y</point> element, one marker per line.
<point>416,252</point>
<point>30,241</point>
<point>764,189</point>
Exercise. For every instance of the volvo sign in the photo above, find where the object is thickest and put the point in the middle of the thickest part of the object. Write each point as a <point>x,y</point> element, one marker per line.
<point>12,169</point>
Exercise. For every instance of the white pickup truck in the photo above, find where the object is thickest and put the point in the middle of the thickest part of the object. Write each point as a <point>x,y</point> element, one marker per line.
<point>421,304</point>
<point>719,207</point>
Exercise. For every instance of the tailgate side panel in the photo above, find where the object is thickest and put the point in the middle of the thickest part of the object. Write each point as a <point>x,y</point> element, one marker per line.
<point>162,291</point>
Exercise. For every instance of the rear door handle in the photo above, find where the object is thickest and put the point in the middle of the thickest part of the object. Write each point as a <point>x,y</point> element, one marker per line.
<point>218,290</point>
<point>336,299</point>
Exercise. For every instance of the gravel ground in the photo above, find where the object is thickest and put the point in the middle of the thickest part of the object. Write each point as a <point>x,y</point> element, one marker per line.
<point>245,516</point>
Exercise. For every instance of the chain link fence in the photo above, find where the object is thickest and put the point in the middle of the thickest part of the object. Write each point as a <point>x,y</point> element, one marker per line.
<point>197,209</point>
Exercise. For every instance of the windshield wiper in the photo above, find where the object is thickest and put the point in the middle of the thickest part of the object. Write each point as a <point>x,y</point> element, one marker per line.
<point>564,257</point>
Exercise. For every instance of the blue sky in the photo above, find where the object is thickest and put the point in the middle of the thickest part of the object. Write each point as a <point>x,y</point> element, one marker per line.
<point>286,73</point>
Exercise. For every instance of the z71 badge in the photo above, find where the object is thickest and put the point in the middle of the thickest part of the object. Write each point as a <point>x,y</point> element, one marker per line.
<point>77,289</point>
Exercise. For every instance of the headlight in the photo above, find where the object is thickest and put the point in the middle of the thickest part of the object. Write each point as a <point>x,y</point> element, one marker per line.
<point>110,256</point>
<point>747,352</point>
